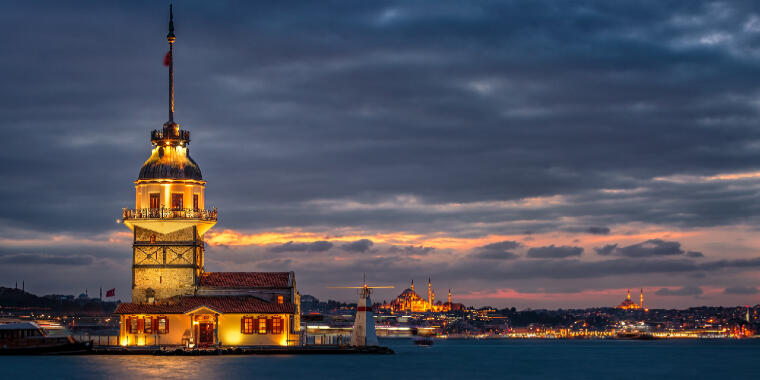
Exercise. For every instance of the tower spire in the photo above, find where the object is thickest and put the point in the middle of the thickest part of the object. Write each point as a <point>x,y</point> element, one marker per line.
<point>170,38</point>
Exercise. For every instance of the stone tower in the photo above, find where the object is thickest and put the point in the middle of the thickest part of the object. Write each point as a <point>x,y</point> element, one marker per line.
<point>169,218</point>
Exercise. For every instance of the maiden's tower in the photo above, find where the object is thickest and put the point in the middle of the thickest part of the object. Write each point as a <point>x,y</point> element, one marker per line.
<point>174,300</point>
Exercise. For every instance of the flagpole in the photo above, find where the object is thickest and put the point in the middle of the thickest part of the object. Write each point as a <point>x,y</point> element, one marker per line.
<point>170,38</point>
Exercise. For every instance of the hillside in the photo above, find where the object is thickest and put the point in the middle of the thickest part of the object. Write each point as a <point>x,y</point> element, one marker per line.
<point>16,299</point>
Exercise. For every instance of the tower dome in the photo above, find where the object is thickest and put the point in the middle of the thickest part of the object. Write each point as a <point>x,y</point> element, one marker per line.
<point>170,157</point>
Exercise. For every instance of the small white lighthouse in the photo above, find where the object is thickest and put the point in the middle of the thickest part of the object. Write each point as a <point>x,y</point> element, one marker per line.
<point>364,323</point>
<point>363,333</point>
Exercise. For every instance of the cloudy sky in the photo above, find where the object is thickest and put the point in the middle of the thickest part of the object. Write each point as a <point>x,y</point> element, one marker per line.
<point>523,153</point>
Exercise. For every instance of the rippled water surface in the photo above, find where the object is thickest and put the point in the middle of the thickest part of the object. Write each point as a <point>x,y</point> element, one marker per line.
<point>453,359</point>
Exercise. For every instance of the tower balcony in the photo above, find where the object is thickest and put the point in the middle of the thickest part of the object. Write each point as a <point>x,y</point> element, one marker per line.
<point>170,135</point>
<point>169,213</point>
<point>166,220</point>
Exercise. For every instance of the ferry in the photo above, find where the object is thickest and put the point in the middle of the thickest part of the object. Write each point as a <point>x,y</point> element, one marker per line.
<point>421,339</point>
<point>28,338</point>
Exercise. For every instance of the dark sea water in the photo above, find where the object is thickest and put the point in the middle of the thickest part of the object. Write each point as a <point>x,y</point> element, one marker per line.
<point>453,359</point>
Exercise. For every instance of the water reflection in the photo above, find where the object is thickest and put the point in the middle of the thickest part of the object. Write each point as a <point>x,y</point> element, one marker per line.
<point>449,359</point>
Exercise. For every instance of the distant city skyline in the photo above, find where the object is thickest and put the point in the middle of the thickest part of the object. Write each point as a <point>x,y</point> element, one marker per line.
<point>526,154</point>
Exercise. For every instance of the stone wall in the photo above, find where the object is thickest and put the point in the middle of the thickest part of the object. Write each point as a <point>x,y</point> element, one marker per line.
<point>143,235</point>
<point>167,264</point>
<point>165,282</point>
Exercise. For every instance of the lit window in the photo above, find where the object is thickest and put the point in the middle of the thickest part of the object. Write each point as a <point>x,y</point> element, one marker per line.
<point>262,326</point>
<point>148,325</point>
<point>177,201</point>
<point>247,325</point>
<point>276,325</point>
<point>196,203</point>
<point>155,200</point>
<point>132,325</point>
<point>163,325</point>
<point>280,299</point>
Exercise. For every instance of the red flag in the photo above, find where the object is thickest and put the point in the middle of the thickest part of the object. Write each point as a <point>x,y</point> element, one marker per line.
<point>168,58</point>
<point>111,293</point>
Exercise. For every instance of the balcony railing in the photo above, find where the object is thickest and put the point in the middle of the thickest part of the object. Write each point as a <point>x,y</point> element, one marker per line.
<point>180,134</point>
<point>169,213</point>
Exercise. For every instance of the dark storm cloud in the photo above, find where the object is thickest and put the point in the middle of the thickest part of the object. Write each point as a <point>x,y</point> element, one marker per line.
<point>606,250</point>
<point>365,102</point>
<point>409,98</point>
<point>317,246</point>
<point>598,230</point>
<point>552,252</point>
<point>683,291</point>
<point>739,289</point>
<point>577,269</point>
<point>695,254</point>
<point>649,248</point>
<point>499,251</point>
<point>411,249</point>
<point>41,259</point>
<point>362,245</point>
<point>589,230</point>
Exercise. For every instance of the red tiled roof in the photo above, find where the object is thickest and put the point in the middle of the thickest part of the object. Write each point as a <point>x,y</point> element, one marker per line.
<point>245,279</point>
<point>222,304</point>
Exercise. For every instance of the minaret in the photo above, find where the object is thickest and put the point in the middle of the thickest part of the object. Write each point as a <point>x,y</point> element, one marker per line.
<point>430,294</point>
<point>449,296</point>
<point>628,297</point>
<point>169,218</point>
<point>641,299</point>
<point>412,285</point>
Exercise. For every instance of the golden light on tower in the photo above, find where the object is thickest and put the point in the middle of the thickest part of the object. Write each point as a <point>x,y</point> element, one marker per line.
<point>169,218</point>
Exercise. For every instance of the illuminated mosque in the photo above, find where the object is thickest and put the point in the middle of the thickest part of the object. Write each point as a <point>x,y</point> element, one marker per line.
<point>628,304</point>
<point>410,301</point>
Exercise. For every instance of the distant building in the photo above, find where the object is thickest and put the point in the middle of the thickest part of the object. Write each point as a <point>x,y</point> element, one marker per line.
<point>628,304</point>
<point>59,297</point>
<point>174,300</point>
<point>310,304</point>
<point>410,301</point>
